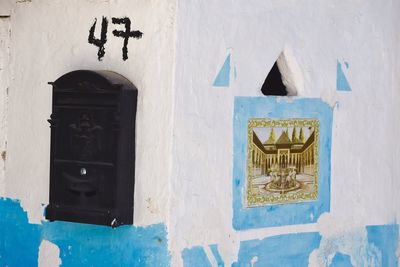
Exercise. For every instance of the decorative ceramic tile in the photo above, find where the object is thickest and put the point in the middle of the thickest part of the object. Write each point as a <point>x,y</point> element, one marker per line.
<point>282,161</point>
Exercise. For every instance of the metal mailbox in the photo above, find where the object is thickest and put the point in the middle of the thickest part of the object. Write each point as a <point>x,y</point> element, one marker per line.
<point>92,158</point>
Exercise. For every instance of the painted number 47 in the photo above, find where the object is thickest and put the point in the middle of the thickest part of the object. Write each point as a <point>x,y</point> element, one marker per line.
<point>100,42</point>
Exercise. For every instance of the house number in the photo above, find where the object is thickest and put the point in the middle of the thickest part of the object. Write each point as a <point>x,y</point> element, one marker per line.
<point>100,42</point>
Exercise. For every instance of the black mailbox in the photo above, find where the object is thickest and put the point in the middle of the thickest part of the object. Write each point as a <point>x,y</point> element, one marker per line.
<point>92,159</point>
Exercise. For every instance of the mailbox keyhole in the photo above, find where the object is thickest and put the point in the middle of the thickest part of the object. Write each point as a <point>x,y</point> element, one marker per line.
<point>83,171</point>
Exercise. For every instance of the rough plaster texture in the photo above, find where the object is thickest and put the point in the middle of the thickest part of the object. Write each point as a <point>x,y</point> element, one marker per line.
<point>185,125</point>
<point>5,7</point>
<point>5,34</point>
<point>365,124</point>
<point>292,76</point>
<point>55,43</point>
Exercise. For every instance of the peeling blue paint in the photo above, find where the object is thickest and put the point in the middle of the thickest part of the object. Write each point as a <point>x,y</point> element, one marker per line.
<point>341,81</point>
<point>377,248</point>
<point>195,257</point>
<point>282,250</point>
<point>19,240</point>
<point>371,246</point>
<point>341,260</point>
<point>223,77</point>
<point>79,244</point>
<point>93,245</point>
<point>277,215</point>
<point>217,256</point>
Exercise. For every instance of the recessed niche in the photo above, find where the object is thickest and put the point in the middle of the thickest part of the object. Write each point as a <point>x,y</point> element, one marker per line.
<point>285,77</point>
<point>273,84</point>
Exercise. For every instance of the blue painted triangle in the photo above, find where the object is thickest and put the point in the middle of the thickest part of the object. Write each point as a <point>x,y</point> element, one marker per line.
<point>223,77</point>
<point>341,81</point>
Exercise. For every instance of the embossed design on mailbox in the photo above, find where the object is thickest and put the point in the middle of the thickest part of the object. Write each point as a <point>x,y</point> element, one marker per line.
<point>85,141</point>
<point>92,148</point>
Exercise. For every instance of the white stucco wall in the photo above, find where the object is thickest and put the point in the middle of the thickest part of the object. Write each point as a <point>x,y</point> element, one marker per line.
<point>365,150</point>
<point>184,124</point>
<point>49,39</point>
<point>4,87</point>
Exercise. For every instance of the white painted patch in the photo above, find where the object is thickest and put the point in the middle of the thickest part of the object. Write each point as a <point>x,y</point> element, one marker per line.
<point>291,74</point>
<point>5,42</point>
<point>49,254</point>
<point>229,250</point>
<point>352,243</point>
<point>6,7</point>
<point>348,236</point>
<point>210,256</point>
<point>151,206</point>
<point>34,210</point>
<point>254,261</point>
<point>398,250</point>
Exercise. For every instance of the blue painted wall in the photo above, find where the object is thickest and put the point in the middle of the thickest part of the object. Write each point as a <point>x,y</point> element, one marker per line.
<point>385,238</point>
<point>195,257</point>
<point>19,240</point>
<point>282,250</point>
<point>90,245</point>
<point>295,249</point>
<point>80,244</point>
<point>341,260</point>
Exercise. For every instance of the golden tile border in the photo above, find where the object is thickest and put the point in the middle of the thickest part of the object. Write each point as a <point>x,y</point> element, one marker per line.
<point>254,200</point>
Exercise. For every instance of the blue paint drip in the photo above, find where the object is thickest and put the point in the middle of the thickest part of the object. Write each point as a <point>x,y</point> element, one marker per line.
<point>341,260</point>
<point>277,215</point>
<point>217,256</point>
<point>282,250</point>
<point>195,257</point>
<point>223,77</point>
<point>341,81</point>
<point>385,238</point>
<point>79,244</point>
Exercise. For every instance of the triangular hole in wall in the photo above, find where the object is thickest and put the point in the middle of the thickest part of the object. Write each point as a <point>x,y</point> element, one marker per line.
<point>273,84</point>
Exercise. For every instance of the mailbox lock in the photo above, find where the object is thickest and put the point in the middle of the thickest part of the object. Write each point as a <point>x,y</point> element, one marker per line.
<point>83,171</point>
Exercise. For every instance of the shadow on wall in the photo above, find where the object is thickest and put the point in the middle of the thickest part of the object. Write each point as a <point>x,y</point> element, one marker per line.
<point>79,244</point>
